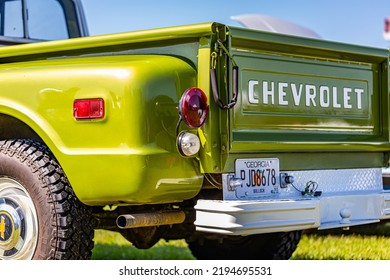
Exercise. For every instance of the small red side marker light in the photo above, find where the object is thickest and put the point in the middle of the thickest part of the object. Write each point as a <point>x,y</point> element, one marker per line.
<point>85,109</point>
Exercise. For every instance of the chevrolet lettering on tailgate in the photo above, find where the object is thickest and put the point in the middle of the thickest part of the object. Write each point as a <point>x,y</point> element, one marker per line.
<point>309,95</point>
<point>315,92</point>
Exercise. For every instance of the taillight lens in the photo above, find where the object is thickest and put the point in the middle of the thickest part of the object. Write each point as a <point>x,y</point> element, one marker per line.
<point>193,107</point>
<point>88,109</point>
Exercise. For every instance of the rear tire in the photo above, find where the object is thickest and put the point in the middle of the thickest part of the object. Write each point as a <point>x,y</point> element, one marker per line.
<point>270,246</point>
<point>40,216</point>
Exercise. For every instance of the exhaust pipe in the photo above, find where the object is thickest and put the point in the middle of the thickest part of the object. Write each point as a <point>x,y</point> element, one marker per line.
<point>150,219</point>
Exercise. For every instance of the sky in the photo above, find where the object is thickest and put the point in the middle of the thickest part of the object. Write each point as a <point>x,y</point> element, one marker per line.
<point>358,22</point>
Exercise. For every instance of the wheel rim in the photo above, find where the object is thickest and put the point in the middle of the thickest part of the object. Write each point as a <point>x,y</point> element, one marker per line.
<point>18,221</point>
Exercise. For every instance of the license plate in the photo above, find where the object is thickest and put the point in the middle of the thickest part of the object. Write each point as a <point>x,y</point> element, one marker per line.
<point>259,177</point>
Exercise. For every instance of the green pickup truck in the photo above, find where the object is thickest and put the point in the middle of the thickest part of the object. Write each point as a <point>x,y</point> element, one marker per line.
<point>233,139</point>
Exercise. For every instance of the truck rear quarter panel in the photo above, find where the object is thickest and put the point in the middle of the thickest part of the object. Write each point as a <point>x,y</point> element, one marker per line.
<point>130,155</point>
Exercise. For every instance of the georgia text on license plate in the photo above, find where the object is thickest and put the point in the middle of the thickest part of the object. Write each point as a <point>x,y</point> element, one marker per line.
<point>259,176</point>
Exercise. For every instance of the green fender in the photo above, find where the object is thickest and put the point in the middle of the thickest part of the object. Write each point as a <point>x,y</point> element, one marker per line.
<point>130,155</point>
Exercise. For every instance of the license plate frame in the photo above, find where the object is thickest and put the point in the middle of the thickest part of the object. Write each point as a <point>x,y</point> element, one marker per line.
<point>259,177</point>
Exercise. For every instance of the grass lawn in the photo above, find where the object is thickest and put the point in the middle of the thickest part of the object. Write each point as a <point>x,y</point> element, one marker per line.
<point>112,246</point>
<point>360,243</point>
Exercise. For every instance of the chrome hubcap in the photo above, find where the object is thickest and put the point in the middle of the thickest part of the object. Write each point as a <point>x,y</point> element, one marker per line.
<point>18,221</point>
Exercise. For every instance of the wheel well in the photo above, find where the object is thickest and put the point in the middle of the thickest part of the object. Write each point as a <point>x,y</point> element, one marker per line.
<point>12,128</point>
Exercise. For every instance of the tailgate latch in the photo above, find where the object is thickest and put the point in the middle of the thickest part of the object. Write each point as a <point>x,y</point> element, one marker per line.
<point>214,82</point>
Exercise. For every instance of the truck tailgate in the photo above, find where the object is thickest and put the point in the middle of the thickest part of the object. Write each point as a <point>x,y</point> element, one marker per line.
<point>300,94</point>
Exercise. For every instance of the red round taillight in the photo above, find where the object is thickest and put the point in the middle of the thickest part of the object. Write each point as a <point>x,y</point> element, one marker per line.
<point>193,107</point>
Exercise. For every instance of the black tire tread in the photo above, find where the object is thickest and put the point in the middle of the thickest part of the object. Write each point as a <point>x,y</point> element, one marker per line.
<point>270,246</point>
<point>287,245</point>
<point>72,223</point>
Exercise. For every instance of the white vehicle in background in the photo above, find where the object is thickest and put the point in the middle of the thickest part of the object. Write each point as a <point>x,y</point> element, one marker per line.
<point>273,24</point>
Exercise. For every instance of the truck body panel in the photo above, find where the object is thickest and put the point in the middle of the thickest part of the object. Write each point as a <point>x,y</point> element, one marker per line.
<point>127,71</point>
<point>135,143</point>
<point>132,144</point>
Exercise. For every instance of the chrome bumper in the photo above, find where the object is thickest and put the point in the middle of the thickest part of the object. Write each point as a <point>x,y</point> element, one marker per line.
<point>346,205</point>
<point>253,217</point>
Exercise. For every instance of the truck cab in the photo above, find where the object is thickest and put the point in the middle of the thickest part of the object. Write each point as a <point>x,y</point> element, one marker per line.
<point>27,21</point>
